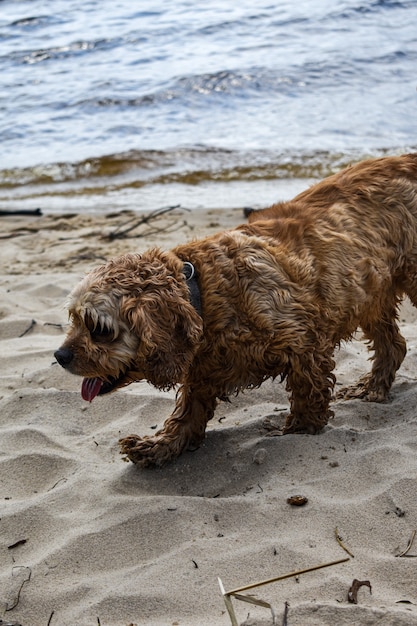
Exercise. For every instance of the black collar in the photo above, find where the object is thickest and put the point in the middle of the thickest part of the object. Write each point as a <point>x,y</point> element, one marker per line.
<point>192,282</point>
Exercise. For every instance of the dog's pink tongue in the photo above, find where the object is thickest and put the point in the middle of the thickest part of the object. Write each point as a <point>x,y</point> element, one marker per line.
<point>90,388</point>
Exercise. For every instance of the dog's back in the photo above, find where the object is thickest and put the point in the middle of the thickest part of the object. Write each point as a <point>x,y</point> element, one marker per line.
<point>371,187</point>
<point>368,210</point>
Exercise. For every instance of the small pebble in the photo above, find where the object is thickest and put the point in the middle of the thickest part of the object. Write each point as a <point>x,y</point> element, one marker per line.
<point>297,500</point>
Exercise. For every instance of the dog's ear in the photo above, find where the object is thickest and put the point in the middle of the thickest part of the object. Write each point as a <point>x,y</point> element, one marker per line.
<point>169,331</point>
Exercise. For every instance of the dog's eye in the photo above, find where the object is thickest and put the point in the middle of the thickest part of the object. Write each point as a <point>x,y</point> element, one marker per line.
<point>98,332</point>
<point>89,323</point>
<point>102,334</point>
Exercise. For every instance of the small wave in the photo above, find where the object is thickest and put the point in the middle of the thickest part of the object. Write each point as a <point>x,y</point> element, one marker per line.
<point>73,49</point>
<point>370,8</point>
<point>255,82</point>
<point>245,84</point>
<point>31,21</point>
<point>231,81</point>
<point>189,166</point>
<point>107,166</point>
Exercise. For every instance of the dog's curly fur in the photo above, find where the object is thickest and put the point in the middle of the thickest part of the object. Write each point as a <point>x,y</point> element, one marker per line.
<point>278,295</point>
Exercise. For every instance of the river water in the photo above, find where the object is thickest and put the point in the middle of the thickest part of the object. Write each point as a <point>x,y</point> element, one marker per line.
<point>116,104</point>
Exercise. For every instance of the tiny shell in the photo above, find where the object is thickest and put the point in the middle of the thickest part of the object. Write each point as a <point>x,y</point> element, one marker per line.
<point>297,500</point>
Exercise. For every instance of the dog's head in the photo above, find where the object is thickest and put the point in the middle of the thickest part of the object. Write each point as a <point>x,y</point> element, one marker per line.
<point>131,319</point>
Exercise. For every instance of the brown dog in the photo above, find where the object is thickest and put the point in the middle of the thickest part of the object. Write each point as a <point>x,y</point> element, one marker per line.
<point>271,298</point>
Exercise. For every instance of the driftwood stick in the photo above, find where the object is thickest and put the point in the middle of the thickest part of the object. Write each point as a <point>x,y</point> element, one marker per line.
<point>35,212</point>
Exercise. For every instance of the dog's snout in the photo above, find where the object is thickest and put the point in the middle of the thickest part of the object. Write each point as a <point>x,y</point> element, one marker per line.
<point>64,356</point>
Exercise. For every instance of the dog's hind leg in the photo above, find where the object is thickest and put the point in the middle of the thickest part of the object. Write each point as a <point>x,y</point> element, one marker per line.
<point>389,348</point>
<point>185,428</point>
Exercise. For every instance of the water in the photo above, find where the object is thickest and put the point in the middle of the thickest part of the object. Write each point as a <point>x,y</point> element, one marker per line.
<point>112,104</point>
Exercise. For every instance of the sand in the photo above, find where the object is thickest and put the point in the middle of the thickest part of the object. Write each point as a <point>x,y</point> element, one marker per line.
<point>88,538</point>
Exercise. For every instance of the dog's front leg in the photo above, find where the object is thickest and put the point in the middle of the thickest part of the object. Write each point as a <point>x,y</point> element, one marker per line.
<point>185,428</point>
<point>310,381</point>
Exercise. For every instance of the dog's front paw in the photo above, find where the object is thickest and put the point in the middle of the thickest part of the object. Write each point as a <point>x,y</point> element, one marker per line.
<point>146,451</point>
<point>306,424</point>
<point>272,425</point>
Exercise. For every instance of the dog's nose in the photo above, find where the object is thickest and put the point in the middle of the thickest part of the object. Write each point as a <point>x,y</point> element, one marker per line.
<point>64,356</point>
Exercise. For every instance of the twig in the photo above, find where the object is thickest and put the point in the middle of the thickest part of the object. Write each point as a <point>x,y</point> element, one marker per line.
<point>10,608</point>
<point>50,618</point>
<point>28,329</point>
<point>341,544</point>
<point>169,228</point>
<point>285,616</point>
<point>121,231</point>
<point>410,543</point>
<point>57,483</point>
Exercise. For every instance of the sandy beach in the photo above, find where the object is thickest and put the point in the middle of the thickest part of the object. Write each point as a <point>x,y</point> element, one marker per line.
<point>88,538</point>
